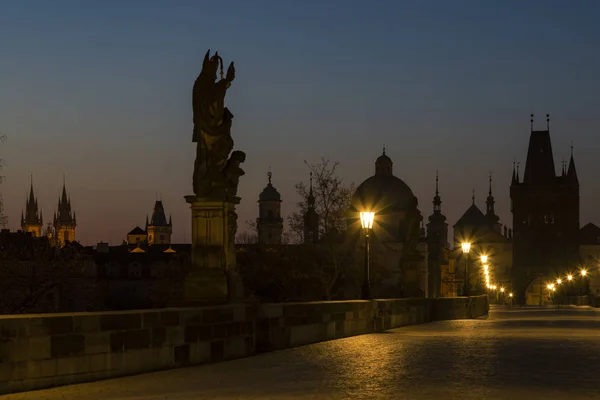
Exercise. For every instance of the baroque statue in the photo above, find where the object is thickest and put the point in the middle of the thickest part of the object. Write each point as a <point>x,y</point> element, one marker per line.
<point>216,175</point>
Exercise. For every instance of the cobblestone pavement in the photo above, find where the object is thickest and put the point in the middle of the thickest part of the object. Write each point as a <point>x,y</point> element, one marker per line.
<point>513,354</point>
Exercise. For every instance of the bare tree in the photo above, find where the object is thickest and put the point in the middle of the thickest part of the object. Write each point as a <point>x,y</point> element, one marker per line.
<point>332,200</point>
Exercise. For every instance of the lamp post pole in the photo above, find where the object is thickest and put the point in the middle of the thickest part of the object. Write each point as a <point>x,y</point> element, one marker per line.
<point>466,247</point>
<point>366,220</point>
<point>366,288</point>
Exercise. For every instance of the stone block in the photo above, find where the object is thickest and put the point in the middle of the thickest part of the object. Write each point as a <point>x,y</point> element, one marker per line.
<point>19,370</point>
<point>99,362</point>
<point>73,365</point>
<point>158,337</point>
<point>67,345</point>
<point>86,323</point>
<point>219,331</point>
<point>151,319</point>
<point>266,311</point>
<point>125,340</point>
<point>191,317</point>
<point>169,318</point>
<point>181,354</point>
<point>11,328</point>
<point>39,347</point>
<point>51,325</point>
<point>115,361</point>
<point>42,368</point>
<point>234,347</point>
<point>304,334</point>
<point>217,351</point>
<point>175,335</point>
<point>119,322</point>
<point>140,360</point>
<point>215,315</point>
<point>199,353</point>
<point>233,329</point>
<point>16,350</point>
<point>97,343</point>
<point>191,334</point>
<point>250,345</point>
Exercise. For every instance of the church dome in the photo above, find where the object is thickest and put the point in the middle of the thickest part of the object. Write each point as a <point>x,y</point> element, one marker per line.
<point>269,193</point>
<point>383,190</point>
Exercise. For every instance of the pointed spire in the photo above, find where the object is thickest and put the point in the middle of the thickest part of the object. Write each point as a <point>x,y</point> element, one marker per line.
<point>518,171</point>
<point>490,191</point>
<point>384,149</point>
<point>531,122</point>
<point>437,200</point>
<point>490,212</point>
<point>572,171</point>
<point>548,122</point>
<point>270,175</point>
<point>170,220</point>
<point>473,198</point>
<point>514,174</point>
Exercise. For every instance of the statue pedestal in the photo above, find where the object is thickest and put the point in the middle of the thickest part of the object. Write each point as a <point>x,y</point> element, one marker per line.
<point>214,224</point>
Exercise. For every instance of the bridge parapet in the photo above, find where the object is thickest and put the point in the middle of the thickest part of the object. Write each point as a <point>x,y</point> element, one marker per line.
<point>45,350</point>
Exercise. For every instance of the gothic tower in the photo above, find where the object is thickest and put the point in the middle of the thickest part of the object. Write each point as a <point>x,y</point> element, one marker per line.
<point>311,218</point>
<point>490,215</point>
<point>269,223</point>
<point>437,240</point>
<point>64,220</point>
<point>32,221</point>
<point>545,210</point>
<point>159,230</point>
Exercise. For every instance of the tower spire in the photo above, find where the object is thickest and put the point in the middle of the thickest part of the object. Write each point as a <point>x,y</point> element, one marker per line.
<point>311,197</point>
<point>270,175</point>
<point>437,200</point>
<point>531,121</point>
<point>548,122</point>
<point>490,191</point>
<point>473,198</point>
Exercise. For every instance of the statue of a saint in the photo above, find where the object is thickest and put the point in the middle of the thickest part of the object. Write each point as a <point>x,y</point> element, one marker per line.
<point>212,129</point>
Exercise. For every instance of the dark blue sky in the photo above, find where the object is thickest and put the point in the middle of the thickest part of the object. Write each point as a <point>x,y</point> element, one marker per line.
<point>101,91</point>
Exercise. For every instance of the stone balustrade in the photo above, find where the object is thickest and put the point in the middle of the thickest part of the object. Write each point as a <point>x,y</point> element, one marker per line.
<point>40,351</point>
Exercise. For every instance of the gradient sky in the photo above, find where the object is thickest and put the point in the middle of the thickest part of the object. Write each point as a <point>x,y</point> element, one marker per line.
<point>100,90</point>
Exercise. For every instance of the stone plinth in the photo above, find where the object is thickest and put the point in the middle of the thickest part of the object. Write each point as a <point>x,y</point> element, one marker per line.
<point>214,224</point>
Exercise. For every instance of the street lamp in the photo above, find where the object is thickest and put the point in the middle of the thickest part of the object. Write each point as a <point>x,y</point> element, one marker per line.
<point>366,220</point>
<point>466,247</point>
<point>484,259</point>
<point>558,281</point>
<point>569,277</point>
<point>583,272</point>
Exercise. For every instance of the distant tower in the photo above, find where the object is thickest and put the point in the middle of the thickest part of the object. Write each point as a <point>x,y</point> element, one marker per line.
<point>159,230</point>
<point>437,240</point>
<point>490,215</point>
<point>311,218</point>
<point>64,220</point>
<point>545,210</point>
<point>32,221</point>
<point>269,222</point>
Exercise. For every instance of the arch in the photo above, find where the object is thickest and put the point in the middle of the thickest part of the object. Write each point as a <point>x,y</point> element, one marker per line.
<point>536,293</point>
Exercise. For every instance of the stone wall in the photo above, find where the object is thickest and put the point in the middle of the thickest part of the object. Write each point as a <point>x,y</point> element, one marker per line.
<point>39,351</point>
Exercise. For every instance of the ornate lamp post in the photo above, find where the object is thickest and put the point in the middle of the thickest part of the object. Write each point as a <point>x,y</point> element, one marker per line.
<point>366,220</point>
<point>466,247</point>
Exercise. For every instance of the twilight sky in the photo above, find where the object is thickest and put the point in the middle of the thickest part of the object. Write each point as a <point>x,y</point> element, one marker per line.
<point>100,90</point>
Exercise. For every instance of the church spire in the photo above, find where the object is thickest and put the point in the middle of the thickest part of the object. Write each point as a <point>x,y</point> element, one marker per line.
<point>31,220</point>
<point>473,198</point>
<point>437,200</point>
<point>311,197</point>
<point>571,171</point>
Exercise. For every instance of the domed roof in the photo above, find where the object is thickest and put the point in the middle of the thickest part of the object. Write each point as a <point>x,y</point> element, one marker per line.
<point>383,190</point>
<point>269,193</point>
<point>380,192</point>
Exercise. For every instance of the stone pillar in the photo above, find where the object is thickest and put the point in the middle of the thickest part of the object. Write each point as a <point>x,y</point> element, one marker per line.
<point>214,224</point>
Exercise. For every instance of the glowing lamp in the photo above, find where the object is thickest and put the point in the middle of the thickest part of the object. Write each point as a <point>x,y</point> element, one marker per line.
<point>569,277</point>
<point>366,219</point>
<point>510,295</point>
<point>466,247</point>
<point>558,281</point>
<point>484,259</point>
<point>502,289</point>
<point>583,272</point>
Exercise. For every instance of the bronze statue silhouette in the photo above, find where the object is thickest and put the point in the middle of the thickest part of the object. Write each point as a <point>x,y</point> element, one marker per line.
<point>212,129</point>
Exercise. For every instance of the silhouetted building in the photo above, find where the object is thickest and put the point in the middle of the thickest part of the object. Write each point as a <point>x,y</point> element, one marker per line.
<point>437,242</point>
<point>65,220</point>
<point>545,210</point>
<point>32,221</point>
<point>136,236</point>
<point>269,223</point>
<point>158,229</point>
